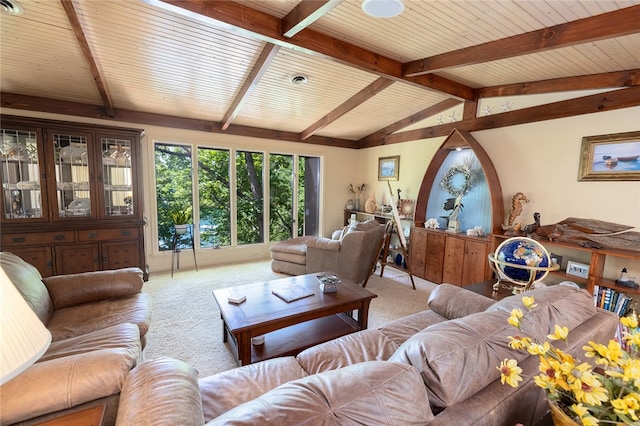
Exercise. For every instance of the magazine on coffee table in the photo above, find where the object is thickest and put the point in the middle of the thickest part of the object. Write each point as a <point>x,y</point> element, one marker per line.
<point>293,292</point>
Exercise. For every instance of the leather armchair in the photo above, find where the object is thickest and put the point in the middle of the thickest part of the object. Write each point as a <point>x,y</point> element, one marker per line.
<point>351,256</point>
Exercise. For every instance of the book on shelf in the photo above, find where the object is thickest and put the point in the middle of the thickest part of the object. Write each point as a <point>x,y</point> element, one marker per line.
<point>611,300</point>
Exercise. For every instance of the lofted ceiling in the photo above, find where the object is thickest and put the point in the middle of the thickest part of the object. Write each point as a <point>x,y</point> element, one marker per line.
<point>227,67</point>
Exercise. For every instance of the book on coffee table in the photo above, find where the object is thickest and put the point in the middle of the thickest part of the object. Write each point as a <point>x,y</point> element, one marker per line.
<point>291,293</point>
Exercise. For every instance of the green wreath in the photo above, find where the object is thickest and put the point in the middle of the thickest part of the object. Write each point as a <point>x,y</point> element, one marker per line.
<point>469,179</point>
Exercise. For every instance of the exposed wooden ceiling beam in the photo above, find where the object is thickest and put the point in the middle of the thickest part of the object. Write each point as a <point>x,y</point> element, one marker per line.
<point>252,23</point>
<point>375,138</point>
<point>622,98</point>
<point>585,82</point>
<point>617,99</point>
<point>607,25</point>
<point>101,84</point>
<point>34,103</point>
<point>359,98</point>
<point>305,14</point>
<point>259,68</point>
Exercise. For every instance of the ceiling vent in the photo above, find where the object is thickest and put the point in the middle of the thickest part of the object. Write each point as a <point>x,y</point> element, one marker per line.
<point>11,7</point>
<point>298,79</point>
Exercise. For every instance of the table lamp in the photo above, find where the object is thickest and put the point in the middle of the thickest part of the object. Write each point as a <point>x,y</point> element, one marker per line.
<point>23,337</point>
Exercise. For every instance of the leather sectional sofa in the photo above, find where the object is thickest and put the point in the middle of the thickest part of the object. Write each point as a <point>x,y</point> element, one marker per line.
<point>436,367</point>
<point>98,322</point>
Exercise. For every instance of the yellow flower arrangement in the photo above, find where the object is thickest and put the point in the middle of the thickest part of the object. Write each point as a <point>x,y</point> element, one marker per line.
<point>607,394</point>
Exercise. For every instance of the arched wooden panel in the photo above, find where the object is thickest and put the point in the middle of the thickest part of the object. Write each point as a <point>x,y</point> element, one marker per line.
<point>461,139</point>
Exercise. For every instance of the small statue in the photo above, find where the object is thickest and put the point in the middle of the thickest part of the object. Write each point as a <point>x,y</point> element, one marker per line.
<point>432,223</point>
<point>371,206</point>
<point>532,227</point>
<point>513,228</point>
<point>625,280</point>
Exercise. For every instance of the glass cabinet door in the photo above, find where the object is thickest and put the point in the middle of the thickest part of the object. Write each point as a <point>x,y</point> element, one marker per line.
<point>21,178</point>
<point>73,178</point>
<point>117,177</point>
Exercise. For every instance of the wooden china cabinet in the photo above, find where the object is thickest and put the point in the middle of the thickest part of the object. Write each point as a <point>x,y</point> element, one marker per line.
<point>71,195</point>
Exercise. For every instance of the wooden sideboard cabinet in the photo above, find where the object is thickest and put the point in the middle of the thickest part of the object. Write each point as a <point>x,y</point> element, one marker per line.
<point>71,195</point>
<point>443,257</point>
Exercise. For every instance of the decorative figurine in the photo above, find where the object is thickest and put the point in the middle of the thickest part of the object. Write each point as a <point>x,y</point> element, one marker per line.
<point>371,205</point>
<point>527,230</point>
<point>625,280</point>
<point>513,228</point>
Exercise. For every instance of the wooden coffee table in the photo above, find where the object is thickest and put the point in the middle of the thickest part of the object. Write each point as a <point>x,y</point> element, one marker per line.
<point>290,327</point>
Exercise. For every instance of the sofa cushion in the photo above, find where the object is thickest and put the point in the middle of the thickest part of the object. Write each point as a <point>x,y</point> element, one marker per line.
<point>376,392</point>
<point>458,358</point>
<point>89,317</point>
<point>228,389</point>
<point>452,301</point>
<point>558,304</point>
<point>365,345</point>
<point>27,279</point>
<point>120,336</point>
<point>87,287</point>
<point>400,330</point>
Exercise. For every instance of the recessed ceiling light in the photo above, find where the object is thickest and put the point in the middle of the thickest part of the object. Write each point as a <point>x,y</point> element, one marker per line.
<point>11,7</point>
<point>383,8</point>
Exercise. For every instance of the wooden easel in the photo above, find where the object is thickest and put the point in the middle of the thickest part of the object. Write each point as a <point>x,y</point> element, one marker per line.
<point>394,223</point>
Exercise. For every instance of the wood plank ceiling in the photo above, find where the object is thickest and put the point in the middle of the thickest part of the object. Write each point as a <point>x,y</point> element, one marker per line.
<point>227,67</point>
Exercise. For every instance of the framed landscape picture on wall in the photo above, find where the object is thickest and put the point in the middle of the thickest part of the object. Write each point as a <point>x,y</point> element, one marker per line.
<point>610,157</point>
<point>389,168</point>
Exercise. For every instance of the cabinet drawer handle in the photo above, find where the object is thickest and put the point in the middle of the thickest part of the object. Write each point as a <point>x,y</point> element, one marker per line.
<point>93,235</point>
<point>125,233</point>
<point>19,239</point>
<point>59,237</point>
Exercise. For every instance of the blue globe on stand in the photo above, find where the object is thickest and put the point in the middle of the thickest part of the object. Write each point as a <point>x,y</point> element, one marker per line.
<point>522,261</point>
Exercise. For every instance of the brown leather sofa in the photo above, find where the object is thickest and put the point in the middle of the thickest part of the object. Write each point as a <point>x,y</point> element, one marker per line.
<point>436,367</point>
<point>350,252</point>
<point>98,322</point>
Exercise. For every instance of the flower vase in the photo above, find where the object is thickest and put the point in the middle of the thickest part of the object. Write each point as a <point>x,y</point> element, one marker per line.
<point>358,203</point>
<point>559,417</point>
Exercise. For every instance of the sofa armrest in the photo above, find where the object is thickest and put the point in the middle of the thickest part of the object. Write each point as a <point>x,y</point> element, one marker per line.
<point>323,244</point>
<point>75,289</point>
<point>160,392</point>
<point>62,383</point>
<point>454,302</point>
<point>367,393</point>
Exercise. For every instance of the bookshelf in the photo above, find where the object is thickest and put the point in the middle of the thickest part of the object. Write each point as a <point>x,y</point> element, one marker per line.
<point>597,261</point>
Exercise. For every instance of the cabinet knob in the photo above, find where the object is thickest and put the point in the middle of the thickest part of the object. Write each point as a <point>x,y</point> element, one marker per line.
<point>93,235</point>
<point>59,237</point>
<point>19,240</point>
<point>125,233</point>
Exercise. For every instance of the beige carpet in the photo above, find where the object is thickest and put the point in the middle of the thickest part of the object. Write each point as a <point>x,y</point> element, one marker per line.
<point>186,321</point>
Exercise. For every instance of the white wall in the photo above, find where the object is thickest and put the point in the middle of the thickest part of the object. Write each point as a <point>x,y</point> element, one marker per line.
<point>541,160</point>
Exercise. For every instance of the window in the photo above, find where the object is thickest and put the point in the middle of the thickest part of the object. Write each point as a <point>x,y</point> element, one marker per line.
<point>214,198</point>
<point>281,186</point>
<point>174,188</point>
<point>201,179</point>
<point>249,193</point>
